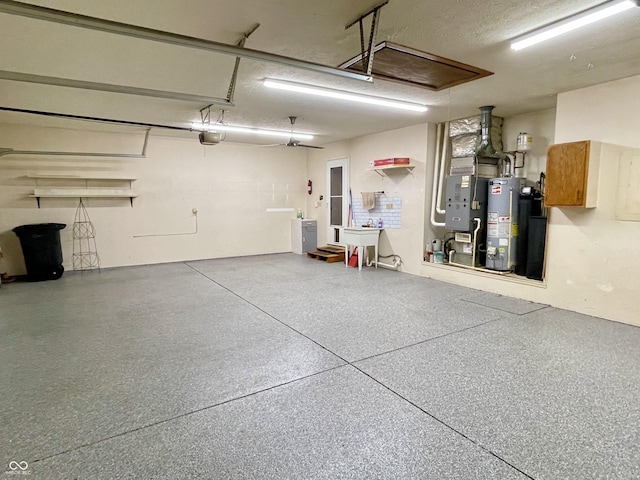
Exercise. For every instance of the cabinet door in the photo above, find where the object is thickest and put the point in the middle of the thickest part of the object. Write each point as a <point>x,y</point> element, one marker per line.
<point>567,172</point>
<point>309,238</point>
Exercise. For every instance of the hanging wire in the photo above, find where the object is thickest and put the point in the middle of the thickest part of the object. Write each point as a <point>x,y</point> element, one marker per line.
<point>220,121</point>
<point>205,116</point>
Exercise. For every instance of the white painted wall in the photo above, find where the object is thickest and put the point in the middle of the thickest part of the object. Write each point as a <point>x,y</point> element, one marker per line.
<point>317,172</point>
<point>541,126</point>
<point>602,275</point>
<point>231,185</point>
<point>406,142</point>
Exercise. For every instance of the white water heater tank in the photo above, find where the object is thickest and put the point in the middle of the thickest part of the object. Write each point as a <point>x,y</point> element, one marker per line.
<point>502,223</point>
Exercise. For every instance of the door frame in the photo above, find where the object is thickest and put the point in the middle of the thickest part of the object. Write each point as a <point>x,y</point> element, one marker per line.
<point>344,163</point>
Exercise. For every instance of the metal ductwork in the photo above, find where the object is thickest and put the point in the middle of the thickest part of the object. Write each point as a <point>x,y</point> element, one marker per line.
<point>486,148</point>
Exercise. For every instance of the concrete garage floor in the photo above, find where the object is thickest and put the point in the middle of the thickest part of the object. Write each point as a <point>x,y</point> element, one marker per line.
<point>279,366</point>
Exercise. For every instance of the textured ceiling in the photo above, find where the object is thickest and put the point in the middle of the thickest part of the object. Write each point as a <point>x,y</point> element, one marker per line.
<point>472,32</point>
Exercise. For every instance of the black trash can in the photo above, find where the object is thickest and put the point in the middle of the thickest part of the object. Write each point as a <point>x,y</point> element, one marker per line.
<point>42,250</point>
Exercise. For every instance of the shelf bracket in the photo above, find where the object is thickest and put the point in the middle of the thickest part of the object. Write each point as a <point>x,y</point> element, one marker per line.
<point>384,171</point>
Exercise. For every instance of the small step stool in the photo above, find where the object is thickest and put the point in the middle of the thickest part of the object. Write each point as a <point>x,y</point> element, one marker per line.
<point>328,253</point>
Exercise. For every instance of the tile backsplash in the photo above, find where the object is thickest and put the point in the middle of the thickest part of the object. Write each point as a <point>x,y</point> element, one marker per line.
<point>389,209</point>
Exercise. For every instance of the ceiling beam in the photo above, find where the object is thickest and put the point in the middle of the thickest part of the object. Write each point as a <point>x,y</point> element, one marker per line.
<point>108,87</point>
<point>74,19</point>
<point>94,119</point>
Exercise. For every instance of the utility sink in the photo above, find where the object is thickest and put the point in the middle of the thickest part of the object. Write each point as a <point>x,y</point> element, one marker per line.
<point>361,237</point>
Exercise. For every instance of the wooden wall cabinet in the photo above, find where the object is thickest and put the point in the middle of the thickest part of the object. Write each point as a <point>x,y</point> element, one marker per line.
<point>572,174</point>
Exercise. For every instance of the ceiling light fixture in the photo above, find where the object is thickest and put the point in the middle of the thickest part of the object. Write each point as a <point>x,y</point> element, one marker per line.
<point>220,127</point>
<point>573,22</point>
<point>342,95</point>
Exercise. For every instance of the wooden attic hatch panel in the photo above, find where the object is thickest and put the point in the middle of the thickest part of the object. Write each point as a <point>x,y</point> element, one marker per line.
<point>406,65</point>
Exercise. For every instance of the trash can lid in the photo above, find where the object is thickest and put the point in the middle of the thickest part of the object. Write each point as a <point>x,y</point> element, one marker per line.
<point>38,228</point>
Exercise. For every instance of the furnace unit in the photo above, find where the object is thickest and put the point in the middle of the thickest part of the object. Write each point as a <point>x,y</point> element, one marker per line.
<point>466,200</point>
<point>465,215</point>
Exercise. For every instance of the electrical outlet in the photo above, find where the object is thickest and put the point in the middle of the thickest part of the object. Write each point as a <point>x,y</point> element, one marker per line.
<point>389,206</point>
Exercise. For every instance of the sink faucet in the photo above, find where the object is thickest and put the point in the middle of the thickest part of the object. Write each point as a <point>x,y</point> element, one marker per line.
<point>370,222</point>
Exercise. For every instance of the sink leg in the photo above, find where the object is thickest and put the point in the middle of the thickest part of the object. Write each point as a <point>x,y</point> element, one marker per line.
<point>376,253</point>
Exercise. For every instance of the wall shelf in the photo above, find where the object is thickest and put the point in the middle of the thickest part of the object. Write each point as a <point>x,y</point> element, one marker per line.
<point>63,187</point>
<point>385,169</point>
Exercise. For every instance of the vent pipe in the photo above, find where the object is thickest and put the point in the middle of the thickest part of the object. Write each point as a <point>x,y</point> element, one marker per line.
<point>486,148</point>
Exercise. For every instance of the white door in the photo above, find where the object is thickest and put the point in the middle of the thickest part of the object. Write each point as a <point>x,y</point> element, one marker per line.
<point>337,199</point>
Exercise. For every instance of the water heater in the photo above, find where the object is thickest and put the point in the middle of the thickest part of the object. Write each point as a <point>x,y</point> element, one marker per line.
<point>502,223</point>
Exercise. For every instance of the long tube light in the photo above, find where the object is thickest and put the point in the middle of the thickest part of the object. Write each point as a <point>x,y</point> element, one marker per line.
<point>220,127</point>
<point>573,22</point>
<point>342,95</point>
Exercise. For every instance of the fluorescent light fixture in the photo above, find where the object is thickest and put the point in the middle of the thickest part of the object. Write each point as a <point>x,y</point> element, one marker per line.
<point>342,95</point>
<point>220,127</point>
<point>280,209</point>
<point>573,22</point>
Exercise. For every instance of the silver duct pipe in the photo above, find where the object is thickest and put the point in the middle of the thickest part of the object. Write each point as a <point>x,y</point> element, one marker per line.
<point>506,166</point>
<point>74,19</point>
<point>486,148</point>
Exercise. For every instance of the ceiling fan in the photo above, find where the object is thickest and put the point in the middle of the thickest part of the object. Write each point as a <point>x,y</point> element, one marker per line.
<point>293,142</point>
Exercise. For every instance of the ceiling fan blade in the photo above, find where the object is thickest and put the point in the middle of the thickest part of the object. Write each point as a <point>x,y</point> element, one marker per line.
<point>292,141</point>
<point>308,146</point>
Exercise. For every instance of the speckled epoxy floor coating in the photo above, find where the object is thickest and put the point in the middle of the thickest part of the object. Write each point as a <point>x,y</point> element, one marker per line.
<point>278,366</point>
